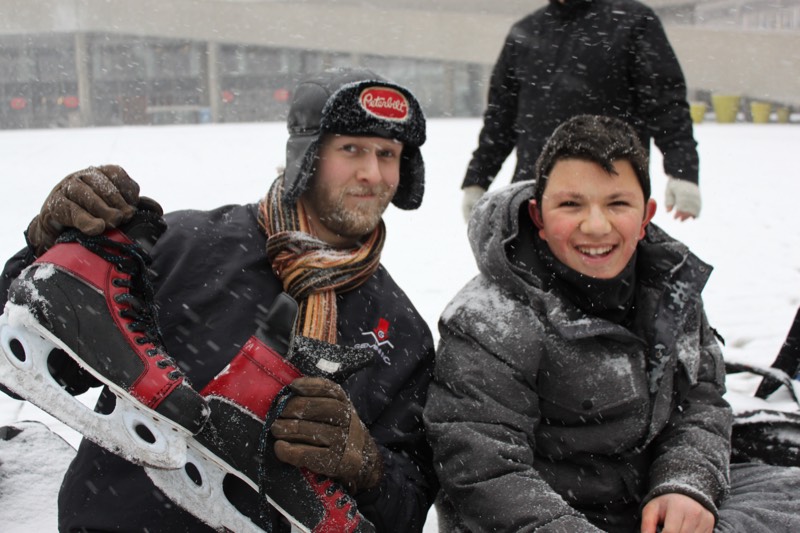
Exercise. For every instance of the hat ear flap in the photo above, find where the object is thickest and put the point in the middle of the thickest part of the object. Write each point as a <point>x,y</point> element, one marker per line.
<point>412,179</point>
<point>301,155</point>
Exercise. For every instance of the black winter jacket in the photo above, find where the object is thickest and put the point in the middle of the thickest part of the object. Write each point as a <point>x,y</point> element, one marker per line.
<point>545,418</point>
<point>599,57</point>
<point>212,276</point>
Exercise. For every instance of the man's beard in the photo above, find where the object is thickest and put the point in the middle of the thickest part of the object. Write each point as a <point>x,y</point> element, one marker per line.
<point>352,223</point>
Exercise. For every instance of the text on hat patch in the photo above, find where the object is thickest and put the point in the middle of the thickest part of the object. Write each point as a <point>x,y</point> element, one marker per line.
<point>385,103</point>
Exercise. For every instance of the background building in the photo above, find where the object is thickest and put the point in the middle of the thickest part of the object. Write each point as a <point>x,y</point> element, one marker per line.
<point>107,62</point>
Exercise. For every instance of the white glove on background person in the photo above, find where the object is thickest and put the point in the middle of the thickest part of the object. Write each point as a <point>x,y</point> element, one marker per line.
<point>472,194</point>
<point>684,196</point>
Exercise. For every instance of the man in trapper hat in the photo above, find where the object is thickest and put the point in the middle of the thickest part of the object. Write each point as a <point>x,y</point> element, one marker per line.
<point>347,104</point>
<point>317,235</point>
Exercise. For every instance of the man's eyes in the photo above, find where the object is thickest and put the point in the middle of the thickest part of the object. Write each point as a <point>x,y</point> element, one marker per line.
<point>354,149</point>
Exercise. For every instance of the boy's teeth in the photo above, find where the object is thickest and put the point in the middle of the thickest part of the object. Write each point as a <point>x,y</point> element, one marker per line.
<point>595,251</point>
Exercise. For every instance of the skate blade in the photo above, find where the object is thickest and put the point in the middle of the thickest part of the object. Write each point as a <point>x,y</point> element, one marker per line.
<point>198,488</point>
<point>131,430</point>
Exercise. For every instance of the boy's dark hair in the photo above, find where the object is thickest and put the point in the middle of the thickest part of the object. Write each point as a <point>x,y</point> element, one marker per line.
<point>595,138</point>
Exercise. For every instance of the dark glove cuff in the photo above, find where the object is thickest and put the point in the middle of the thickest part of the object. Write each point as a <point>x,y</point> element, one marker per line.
<point>37,239</point>
<point>148,204</point>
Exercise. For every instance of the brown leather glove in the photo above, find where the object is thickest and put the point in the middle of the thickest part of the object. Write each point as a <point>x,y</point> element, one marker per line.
<point>320,430</point>
<point>90,200</point>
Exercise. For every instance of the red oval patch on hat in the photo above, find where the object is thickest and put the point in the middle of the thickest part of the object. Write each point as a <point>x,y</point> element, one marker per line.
<point>385,103</point>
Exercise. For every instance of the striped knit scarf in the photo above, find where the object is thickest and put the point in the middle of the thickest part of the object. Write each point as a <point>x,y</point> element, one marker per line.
<point>311,271</point>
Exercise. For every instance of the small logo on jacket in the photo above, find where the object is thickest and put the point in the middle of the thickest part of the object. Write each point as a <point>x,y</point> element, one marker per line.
<point>379,340</point>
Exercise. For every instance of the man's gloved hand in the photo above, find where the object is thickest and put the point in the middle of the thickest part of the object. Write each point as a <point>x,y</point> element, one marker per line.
<point>320,430</point>
<point>472,193</point>
<point>684,196</point>
<point>90,200</point>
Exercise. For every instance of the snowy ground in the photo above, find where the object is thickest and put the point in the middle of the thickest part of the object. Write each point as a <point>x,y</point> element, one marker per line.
<point>748,229</point>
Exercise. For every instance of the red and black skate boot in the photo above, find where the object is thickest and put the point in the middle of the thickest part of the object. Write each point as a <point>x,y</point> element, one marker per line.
<point>91,298</point>
<point>234,451</point>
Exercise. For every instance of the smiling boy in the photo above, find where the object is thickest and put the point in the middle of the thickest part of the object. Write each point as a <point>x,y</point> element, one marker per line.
<point>578,384</point>
<point>592,218</point>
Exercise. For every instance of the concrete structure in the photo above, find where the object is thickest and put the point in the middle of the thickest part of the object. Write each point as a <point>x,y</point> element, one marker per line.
<point>115,57</point>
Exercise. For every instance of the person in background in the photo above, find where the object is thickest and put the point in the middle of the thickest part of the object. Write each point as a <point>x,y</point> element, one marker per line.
<point>353,148</point>
<point>598,57</point>
<point>578,383</point>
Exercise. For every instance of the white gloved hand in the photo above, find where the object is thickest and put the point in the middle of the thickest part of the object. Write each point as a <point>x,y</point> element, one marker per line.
<point>684,196</point>
<point>472,194</point>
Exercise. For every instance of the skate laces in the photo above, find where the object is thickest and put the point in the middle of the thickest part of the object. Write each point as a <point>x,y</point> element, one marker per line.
<point>138,302</point>
<point>333,489</point>
<point>264,440</point>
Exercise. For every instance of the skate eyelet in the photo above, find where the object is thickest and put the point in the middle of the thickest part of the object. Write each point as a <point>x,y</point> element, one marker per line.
<point>18,350</point>
<point>330,490</point>
<point>140,340</point>
<point>340,503</point>
<point>162,363</point>
<point>151,352</point>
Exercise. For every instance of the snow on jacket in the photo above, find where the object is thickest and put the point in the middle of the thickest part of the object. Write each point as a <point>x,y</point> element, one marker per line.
<point>212,277</point>
<point>544,418</point>
<point>597,57</point>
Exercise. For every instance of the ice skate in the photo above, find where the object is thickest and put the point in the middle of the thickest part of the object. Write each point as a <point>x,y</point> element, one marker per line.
<point>90,298</point>
<point>234,451</point>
